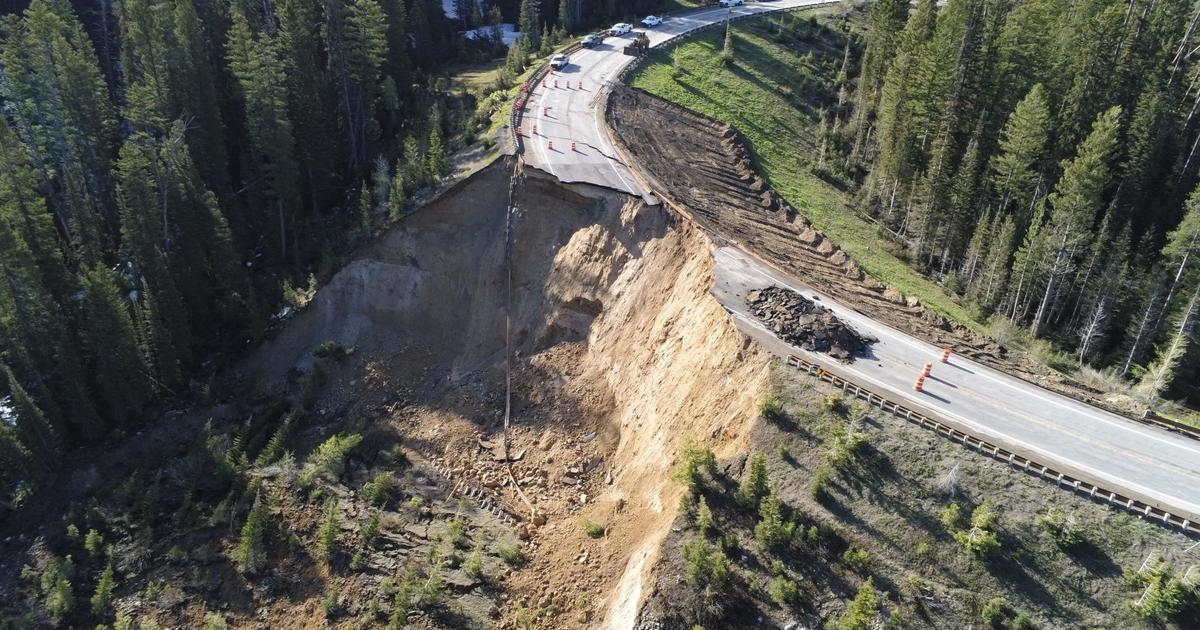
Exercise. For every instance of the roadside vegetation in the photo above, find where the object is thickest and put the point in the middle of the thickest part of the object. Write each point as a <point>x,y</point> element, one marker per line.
<point>907,530</point>
<point>1030,221</point>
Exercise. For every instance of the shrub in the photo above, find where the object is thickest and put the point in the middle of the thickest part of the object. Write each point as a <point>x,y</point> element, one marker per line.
<point>983,516</point>
<point>834,403</point>
<point>592,528</point>
<point>704,517</point>
<point>1166,594</point>
<point>330,348</point>
<point>378,490</point>
<point>857,559</point>
<point>1062,529</point>
<point>784,591</point>
<point>704,566</point>
<point>73,532</point>
<point>756,484</point>
<point>473,567</point>
<point>981,542</point>
<point>358,561</point>
<point>330,605</point>
<point>370,530</point>
<point>818,485</point>
<point>512,555</point>
<point>861,613</point>
<point>328,458</point>
<point>694,461</point>
<point>843,448</point>
<point>1022,622</point>
<point>771,409</point>
<point>456,533</point>
<point>214,621</point>
<point>951,517</point>
<point>93,543</point>
<point>994,612</point>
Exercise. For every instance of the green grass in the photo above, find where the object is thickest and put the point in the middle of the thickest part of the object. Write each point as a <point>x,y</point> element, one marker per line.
<point>771,92</point>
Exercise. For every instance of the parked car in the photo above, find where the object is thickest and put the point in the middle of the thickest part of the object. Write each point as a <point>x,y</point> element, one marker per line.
<point>619,29</point>
<point>559,61</point>
<point>650,21</point>
<point>592,40</point>
<point>731,3</point>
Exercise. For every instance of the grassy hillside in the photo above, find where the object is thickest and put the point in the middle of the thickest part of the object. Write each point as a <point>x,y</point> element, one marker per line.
<point>771,90</point>
<point>864,496</point>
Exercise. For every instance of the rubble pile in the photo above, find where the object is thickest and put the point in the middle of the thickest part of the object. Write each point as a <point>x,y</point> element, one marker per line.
<point>806,324</point>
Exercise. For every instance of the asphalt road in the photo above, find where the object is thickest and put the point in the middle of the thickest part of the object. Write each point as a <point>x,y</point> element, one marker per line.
<point>1087,442</point>
<point>1150,464</point>
<point>570,106</point>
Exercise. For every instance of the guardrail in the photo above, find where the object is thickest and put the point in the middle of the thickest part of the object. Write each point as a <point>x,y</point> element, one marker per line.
<point>994,451</point>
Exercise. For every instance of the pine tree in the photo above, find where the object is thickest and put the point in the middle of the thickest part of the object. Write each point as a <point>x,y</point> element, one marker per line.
<point>109,337</point>
<point>102,598</point>
<point>149,209</point>
<point>310,104</point>
<point>327,535</point>
<point>1013,172</point>
<point>755,485</point>
<point>396,196</point>
<point>33,430</point>
<point>25,211</point>
<point>529,21</point>
<point>438,164</point>
<point>251,556</point>
<point>366,211</point>
<point>58,104</point>
<point>1075,201</point>
<point>260,75</point>
<point>887,19</point>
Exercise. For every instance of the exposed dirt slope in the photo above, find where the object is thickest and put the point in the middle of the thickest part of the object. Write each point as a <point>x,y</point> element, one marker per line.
<point>704,167</point>
<point>620,355</point>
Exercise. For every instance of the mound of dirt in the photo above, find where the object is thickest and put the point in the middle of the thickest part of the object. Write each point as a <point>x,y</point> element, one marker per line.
<point>806,324</point>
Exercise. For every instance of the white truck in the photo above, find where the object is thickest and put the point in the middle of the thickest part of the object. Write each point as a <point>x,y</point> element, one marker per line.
<point>731,3</point>
<point>621,28</point>
<point>650,21</point>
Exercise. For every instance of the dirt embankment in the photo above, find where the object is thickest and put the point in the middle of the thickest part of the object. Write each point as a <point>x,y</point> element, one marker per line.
<point>705,167</point>
<point>620,354</point>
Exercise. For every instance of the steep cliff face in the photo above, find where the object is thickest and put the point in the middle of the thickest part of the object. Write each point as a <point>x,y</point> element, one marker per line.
<point>610,311</point>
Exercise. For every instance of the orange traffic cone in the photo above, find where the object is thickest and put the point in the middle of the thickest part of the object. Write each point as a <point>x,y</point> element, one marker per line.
<point>946,355</point>
<point>928,369</point>
<point>572,146</point>
<point>919,384</point>
<point>550,144</point>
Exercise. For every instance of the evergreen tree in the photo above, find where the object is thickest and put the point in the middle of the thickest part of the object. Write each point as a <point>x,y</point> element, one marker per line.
<point>111,343</point>
<point>310,104</point>
<point>250,556</point>
<point>1014,171</point>
<point>529,21</point>
<point>1075,202</point>
<point>755,484</point>
<point>396,196</point>
<point>260,75</point>
<point>438,163</point>
<point>102,598</point>
<point>887,20</point>
<point>58,104</point>
<point>33,430</point>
